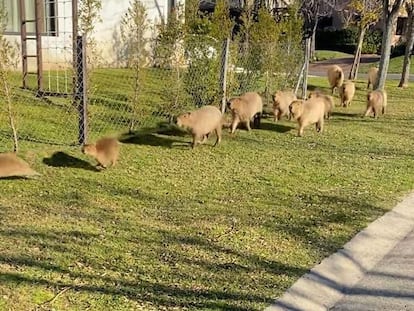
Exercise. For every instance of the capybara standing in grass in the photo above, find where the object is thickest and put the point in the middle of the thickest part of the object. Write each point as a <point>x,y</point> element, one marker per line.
<point>376,103</point>
<point>327,100</point>
<point>201,123</point>
<point>346,93</point>
<point>308,112</point>
<point>335,77</point>
<point>105,151</point>
<point>245,108</point>
<point>13,166</point>
<point>372,76</point>
<point>281,102</point>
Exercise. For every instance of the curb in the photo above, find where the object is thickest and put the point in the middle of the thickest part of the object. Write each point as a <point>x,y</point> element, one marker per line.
<point>327,282</point>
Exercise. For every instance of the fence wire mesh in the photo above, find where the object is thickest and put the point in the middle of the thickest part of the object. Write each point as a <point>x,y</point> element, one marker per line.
<point>137,87</point>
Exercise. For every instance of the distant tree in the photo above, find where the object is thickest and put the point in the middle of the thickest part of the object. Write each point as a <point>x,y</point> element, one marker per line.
<point>311,11</point>
<point>366,13</point>
<point>409,7</point>
<point>7,53</point>
<point>389,16</point>
<point>134,26</point>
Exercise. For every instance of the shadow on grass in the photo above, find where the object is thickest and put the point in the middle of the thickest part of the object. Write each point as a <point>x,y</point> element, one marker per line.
<point>275,127</point>
<point>149,139</point>
<point>61,159</point>
<point>345,114</point>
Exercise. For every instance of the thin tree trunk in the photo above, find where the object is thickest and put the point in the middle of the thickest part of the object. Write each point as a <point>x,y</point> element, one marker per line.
<point>408,48</point>
<point>313,42</point>
<point>357,57</point>
<point>385,54</point>
<point>305,72</point>
<point>7,97</point>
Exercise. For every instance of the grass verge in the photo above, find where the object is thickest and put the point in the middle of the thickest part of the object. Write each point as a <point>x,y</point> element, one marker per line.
<point>225,228</point>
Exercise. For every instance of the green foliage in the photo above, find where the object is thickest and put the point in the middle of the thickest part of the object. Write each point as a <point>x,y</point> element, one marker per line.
<point>221,24</point>
<point>133,28</point>
<point>88,15</point>
<point>201,80</point>
<point>345,40</point>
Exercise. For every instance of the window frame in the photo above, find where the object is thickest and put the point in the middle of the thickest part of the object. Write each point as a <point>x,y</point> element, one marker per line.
<point>55,33</point>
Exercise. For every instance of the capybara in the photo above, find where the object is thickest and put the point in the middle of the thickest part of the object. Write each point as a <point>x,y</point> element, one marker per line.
<point>376,103</point>
<point>372,76</point>
<point>327,100</point>
<point>245,108</point>
<point>13,166</point>
<point>105,151</point>
<point>346,93</point>
<point>201,123</point>
<point>308,112</point>
<point>335,77</point>
<point>281,102</point>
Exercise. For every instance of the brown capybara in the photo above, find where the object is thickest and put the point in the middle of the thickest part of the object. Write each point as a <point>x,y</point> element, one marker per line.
<point>335,77</point>
<point>245,108</point>
<point>327,100</point>
<point>308,112</point>
<point>201,123</point>
<point>346,93</point>
<point>13,166</point>
<point>281,102</point>
<point>105,151</point>
<point>372,76</point>
<point>376,103</point>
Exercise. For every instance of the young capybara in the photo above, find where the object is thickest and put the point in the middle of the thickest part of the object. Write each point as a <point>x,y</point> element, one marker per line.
<point>346,93</point>
<point>308,112</point>
<point>13,166</point>
<point>376,103</point>
<point>372,76</point>
<point>105,151</point>
<point>281,102</point>
<point>335,77</point>
<point>201,123</point>
<point>327,100</point>
<point>245,108</point>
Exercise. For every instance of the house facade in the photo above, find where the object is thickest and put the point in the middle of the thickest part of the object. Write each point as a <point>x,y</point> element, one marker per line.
<point>57,28</point>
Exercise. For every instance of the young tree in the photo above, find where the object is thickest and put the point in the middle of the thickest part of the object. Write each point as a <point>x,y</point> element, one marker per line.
<point>389,16</point>
<point>134,26</point>
<point>366,13</point>
<point>409,7</point>
<point>311,11</point>
<point>6,54</point>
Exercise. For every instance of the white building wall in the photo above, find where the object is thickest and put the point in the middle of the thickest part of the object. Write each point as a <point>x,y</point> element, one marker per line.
<point>57,50</point>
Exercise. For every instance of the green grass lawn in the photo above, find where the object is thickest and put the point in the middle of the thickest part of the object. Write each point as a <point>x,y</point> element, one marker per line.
<point>326,54</point>
<point>395,65</point>
<point>225,228</point>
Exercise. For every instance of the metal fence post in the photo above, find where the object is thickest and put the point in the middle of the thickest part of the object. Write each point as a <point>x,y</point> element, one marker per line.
<point>81,98</point>
<point>223,73</point>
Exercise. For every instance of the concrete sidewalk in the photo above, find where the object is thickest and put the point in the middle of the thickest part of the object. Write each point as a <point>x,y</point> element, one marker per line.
<point>374,271</point>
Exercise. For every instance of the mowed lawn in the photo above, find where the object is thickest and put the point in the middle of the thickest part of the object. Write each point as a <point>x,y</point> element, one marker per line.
<point>225,228</point>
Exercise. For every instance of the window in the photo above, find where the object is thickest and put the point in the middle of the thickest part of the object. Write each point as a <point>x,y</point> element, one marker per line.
<point>401,21</point>
<point>13,16</point>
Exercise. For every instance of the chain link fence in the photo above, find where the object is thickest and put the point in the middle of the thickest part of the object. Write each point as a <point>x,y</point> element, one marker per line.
<point>140,90</point>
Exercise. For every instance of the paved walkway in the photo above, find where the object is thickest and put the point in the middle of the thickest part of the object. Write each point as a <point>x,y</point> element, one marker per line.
<point>319,69</point>
<point>374,271</point>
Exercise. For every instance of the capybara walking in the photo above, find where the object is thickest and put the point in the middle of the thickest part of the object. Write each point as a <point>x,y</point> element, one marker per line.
<point>376,103</point>
<point>327,100</point>
<point>105,151</point>
<point>308,112</point>
<point>201,123</point>
<point>281,102</point>
<point>13,166</point>
<point>245,108</point>
<point>346,93</point>
<point>335,77</point>
<point>372,76</point>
